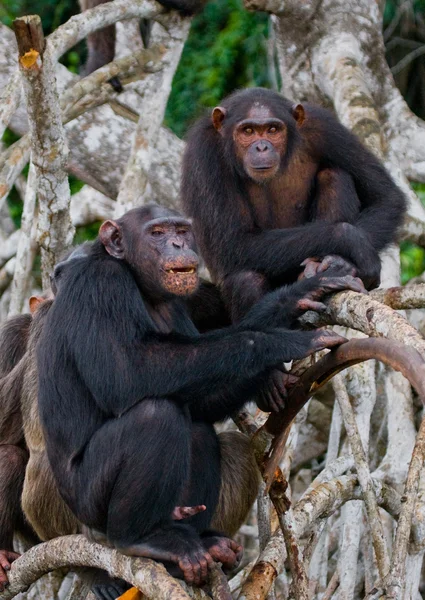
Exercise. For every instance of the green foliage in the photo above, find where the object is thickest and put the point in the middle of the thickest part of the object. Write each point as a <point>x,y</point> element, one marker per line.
<point>412,256</point>
<point>392,6</point>
<point>226,49</point>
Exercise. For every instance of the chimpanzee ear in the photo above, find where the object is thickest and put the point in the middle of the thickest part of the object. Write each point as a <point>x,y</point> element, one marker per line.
<point>217,116</point>
<point>110,235</point>
<point>34,303</point>
<point>298,113</point>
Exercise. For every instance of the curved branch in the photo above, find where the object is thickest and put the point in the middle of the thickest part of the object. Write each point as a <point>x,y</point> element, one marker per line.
<point>321,501</point>
<point>363,313</point>
<point>402,358</point>
<point>148,576</point>
<point>401,297</point>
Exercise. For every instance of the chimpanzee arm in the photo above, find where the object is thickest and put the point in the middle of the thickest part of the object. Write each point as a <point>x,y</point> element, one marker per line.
<point>99,324</point>
<point>382,203</point>
<point>225,402</point>
<point>278,252</point>
<point>181,368</point>
<point>282,307</point>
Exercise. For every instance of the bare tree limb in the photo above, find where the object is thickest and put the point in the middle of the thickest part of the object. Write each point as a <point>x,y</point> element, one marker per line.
<point>395,580</point>
<point>27,246</point>
<point>365,479</point>
<point>75,550</point>
<point>133,189</point>
<point>49,148</point>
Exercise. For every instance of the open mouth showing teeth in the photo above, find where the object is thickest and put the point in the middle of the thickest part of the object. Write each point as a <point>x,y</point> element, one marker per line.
<point>182,270</point>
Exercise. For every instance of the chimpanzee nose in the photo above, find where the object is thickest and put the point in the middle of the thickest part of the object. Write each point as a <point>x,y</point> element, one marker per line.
<point>262,147</point>
<point>177,243</point>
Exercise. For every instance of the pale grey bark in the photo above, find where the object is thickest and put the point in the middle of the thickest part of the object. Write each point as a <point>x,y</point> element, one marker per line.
<point>48,144</point>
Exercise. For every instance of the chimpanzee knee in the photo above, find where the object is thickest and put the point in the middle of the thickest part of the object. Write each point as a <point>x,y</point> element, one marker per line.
<point>119,486</point>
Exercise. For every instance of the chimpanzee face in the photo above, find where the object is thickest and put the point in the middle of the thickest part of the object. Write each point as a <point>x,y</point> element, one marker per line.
<point>171,243</point>
<point>260,139</point>
<point>159,247</point>
<point>260,142</point>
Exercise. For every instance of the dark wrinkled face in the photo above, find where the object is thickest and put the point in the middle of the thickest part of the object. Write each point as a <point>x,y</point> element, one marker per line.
<point>260,142</point>
<point>158,245</point>
<point>170,252</point>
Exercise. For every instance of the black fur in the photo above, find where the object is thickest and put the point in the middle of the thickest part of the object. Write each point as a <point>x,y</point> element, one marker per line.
<point>363,206</point>
<point>128,410</point>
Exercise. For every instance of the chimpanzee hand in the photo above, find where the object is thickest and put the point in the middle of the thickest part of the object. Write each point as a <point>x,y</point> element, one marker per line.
<point>322,339</point>
<point>362,253</point>
<point>313,266</point>
<point>222,549</point>
<point>325,283</point>
<point>6,559</point>
<point>272,397</point>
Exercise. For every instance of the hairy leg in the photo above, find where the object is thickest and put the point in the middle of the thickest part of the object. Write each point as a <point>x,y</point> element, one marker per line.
<point>130,479</point>
<point>12,470</point>
<point>240,480</point>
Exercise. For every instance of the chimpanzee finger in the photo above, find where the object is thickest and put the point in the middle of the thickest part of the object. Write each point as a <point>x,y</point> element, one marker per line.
<point>338,263</point>
<point>280,395</point>
<point>7,558</point>
<point>237,548</point>
<point>186,568</point>
<point>311,266</point>
<point>307,304</point>
<point>204,568</point>
<point>291,380</point>
<point>3,580</point>
<point>327,339</point>
<point>274,394</point>
<point>345,282</point>
<point>196,572</point>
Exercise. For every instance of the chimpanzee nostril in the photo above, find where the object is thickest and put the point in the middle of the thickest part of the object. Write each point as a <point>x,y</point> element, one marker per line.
<point>262,147</point>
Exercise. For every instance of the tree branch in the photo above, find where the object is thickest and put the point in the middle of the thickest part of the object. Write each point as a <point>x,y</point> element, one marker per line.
<point>148,576</point>
<point>48,143</point>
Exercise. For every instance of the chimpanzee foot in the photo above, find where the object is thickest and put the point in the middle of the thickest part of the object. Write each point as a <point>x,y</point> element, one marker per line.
<point>185,559</point>
<point>6,559</point>
<point>107,588</point>
<point>223,550</point>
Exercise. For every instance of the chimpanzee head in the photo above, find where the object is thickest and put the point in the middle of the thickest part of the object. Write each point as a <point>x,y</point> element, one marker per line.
<point>259,128</point>
<point>158,245</point>
<point>77,252</point>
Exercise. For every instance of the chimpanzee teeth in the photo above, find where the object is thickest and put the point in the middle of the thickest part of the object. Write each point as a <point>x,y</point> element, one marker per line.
<point>184,271</point>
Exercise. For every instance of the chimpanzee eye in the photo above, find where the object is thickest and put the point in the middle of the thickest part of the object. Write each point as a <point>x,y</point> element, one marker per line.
<point>181,231</point>
<point>157,232</point>
<point>248,130</point>
<point>273,129</point>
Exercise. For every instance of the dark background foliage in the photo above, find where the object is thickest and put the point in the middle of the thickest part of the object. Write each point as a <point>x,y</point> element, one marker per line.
<point>227,49</point>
